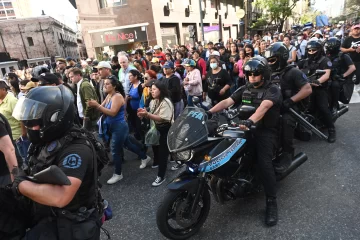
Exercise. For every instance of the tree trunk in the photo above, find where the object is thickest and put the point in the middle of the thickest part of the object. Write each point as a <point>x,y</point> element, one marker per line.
<point>281,25</point>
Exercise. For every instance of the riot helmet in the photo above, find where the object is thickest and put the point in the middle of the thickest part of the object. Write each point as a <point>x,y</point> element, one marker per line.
<point>256,67</point>
<point>38,70</point>
<point>314,49</point>
<point>277,56</point>
<point>47,112</point>
<point>332,46</point>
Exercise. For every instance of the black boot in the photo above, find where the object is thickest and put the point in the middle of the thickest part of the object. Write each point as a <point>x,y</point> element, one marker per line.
<point>271,215</point>
<point>284,162</point>
<point>332,135</point>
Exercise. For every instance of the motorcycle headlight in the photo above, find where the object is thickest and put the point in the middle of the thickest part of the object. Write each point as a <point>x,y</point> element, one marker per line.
<point>184,155</point>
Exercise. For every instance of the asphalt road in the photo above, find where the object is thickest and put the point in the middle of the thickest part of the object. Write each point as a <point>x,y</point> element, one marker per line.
<point>320,200</point>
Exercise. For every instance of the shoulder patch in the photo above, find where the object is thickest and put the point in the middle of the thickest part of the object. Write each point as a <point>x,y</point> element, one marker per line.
<point>329,63</point>
<point>72,161</point>
<point>51,146</point>
<point>304,76</point>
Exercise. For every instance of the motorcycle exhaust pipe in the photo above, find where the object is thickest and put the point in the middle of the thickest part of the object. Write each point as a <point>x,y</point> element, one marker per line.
<point>308,125</point>
<point>298,160</point>
<point>342,110</point>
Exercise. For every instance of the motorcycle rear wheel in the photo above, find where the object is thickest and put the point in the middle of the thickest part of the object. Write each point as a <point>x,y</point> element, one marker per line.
<point>175,208</point>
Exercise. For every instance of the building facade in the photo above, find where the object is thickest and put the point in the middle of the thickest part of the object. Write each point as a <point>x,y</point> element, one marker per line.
<point>12,9</point>
<point>39,37</point>
<point>116,25</point>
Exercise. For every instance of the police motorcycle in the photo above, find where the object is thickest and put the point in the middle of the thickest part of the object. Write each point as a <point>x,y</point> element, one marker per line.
<point>309,119</point>
<point>218,160</point>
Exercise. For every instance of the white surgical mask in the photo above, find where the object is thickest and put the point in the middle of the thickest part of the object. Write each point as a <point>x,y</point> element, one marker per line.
<point>213,65</point>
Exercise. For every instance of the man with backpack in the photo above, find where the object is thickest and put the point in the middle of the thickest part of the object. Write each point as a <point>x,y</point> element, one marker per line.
<point>139,55</point>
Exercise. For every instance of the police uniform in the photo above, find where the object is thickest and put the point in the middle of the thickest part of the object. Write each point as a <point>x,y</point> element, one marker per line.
<point>291,80</point>
<point>266,131</point>
<point>74,157</point>
<point>340,64</point>
<point>319,97</point>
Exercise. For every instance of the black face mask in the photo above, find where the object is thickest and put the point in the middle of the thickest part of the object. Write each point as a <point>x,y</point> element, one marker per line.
<point>34,136</point>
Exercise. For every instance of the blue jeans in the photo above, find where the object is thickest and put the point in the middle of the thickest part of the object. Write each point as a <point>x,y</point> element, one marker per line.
<point>119,139</point>
<point>23,146</point>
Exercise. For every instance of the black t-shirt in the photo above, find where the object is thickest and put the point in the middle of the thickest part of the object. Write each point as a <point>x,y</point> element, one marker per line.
<point>347,44</point>
<point>292,81</point>
<point>4,170</point>
<point>272,94</point>
<point>77,161</point>
<point>344,64</point>
<point>215,82</point>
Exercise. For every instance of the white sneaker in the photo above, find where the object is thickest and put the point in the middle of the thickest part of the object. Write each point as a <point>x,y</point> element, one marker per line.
<point>114,179</point>
<point>144,162</point>
<point>158,181</point>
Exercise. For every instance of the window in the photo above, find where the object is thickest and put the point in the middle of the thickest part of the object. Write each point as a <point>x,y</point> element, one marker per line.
<point>7,4</point>
<point>30,41</point>
<point>112,3</point>
<point>10,12</point>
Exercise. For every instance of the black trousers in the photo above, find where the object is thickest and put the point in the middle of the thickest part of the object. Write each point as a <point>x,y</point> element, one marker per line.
<point>357,72</point>
<point>265,144</point>
<point>334,91</point>
<point>161,152</point>
<point>320,103</point>
<point>287,133</point>
<point>135,123</point>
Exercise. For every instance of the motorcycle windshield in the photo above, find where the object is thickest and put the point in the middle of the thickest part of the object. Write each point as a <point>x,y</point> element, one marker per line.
<point>188,130</point>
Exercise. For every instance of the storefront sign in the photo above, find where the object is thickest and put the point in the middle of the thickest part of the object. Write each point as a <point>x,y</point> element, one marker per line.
<point>211,28</point>
<point>119,36</point>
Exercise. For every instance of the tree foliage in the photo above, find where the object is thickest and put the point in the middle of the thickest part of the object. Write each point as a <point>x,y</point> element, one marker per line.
<point>309,16</point>
<point>276,11</point>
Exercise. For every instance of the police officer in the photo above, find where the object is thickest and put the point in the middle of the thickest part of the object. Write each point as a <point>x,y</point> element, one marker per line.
<point>294,88</point>
<point>342,69</point>
<point>264,95</point>
<point>48,114</point>
<point>319,98</point>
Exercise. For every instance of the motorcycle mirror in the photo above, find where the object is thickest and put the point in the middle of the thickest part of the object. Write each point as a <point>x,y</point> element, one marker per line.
<point>195,100</point>
<point>246,111</point>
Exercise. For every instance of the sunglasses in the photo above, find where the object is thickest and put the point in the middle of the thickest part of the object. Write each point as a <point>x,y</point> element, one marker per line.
<point>255,74</point>
<point>271,60</point>
<point>312,50</point>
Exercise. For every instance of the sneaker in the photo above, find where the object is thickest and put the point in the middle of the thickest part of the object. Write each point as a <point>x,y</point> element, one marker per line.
<point>114,179</point>
<point>154,166</point>
<point>176,167</point>
<point>158,181</point>
<point>144,162</point>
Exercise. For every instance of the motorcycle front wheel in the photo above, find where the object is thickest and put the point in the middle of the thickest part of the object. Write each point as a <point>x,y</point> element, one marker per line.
<point>173,217</point>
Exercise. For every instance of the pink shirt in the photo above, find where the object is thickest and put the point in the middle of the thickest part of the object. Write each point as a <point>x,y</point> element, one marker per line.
<point>195,82</point>
<point>240,67</point>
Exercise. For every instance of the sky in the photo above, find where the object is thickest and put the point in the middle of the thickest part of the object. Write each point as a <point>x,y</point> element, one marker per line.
<point>61,10</point>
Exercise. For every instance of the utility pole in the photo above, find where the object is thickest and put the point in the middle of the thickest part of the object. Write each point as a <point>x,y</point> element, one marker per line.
<point>201,23</point>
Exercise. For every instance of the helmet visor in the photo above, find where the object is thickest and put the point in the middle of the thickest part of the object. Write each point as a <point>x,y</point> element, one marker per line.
<point>28,109</point>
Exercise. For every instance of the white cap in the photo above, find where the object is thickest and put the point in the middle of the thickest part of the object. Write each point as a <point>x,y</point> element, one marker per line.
<point>215,53</point>
<point>88,60</point>
<point>133,52</point>
<point>339,25</point>
<point>156,47</point>
<point>103,64</point>
<point>318,32</point>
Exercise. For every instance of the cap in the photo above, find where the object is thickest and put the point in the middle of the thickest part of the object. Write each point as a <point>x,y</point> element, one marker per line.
<point>68,59</point>
<point>29,85</point>
<point>339,25</point>
<point>103,64</point>
<point>215,53</point>
<point>133,52</point>
<point>355,26</point>
<point>189,63</point>
<point>168,64</point>
<point>61,60</point>
<point>155,60</point>
<point>46,79</point>
<point>156,47</point>
<point>88,60</point>
<point>150,83</point>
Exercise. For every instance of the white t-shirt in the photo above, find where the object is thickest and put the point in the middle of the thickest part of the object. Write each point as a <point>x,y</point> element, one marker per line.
<point>291,49</point>
<point>78,100</point>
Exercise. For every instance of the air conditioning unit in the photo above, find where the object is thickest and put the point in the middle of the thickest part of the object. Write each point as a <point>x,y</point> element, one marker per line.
<point>190,8</point>
<point>171,6</point>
